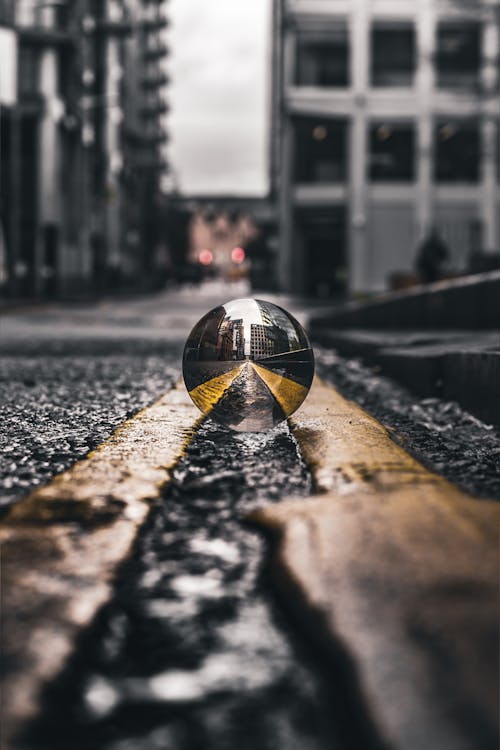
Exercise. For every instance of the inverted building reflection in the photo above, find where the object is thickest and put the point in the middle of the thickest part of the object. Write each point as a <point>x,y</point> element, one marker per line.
<point>248,364</point>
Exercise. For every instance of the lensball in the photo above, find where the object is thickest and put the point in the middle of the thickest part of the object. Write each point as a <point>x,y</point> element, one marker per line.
<point>248,365</point>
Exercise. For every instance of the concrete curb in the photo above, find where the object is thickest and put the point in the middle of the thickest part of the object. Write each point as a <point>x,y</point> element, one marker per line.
<point>437,355</point>
<point>471,302</point>
<point>456,366</point>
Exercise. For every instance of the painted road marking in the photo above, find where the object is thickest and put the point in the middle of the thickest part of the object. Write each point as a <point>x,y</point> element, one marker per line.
<point>61,546</point>
<point>208,394</point>
<point>349,450</point>
<point>397,569</point>
<point>287,393</point>
<point>384,554</point>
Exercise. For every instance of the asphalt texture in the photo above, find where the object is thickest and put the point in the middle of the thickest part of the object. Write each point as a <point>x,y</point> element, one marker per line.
<point>61,400</point>
<point>440,434</point>
<point>191,653</point>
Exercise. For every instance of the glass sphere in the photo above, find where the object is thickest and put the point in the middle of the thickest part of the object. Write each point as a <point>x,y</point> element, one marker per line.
<point>248,364</point>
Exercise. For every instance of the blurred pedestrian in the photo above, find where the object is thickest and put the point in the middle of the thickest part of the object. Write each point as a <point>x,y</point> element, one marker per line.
<point>432,255</point>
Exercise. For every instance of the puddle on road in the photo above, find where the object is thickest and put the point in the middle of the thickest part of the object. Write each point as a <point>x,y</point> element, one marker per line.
<point>190,654</point>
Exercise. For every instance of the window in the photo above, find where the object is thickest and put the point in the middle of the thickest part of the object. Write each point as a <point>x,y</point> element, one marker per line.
<point>392,152</point>
<point>320,150</point>
<point>6,12</point>
<point>458,54</point>
<point>392,55</point>
<point>29,70</point>
<point>457,152</point>
<point>61,17</point>
<point>323,57</point>
<point>498,151</point>
<point>64,74</point>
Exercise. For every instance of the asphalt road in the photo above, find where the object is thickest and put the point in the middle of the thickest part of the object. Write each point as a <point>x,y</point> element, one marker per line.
<point>70,375</point>
<point>192,605</point>
<point>191,613</point>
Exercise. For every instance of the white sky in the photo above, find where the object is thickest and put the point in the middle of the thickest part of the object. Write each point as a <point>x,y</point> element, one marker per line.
<point>219,95</point>
<point>247,309</point>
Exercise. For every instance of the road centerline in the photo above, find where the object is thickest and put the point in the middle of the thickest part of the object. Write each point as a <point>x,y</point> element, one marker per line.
<point>53,579</point>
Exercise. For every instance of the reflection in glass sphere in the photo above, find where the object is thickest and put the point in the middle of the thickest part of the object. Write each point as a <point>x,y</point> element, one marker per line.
<point>248,364</point>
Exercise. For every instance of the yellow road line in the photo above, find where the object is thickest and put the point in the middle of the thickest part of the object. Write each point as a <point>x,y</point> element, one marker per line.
<point>208,394</point>
<point>398,567</point>
<point>350,450</point>
<point>61,546</point>
<point>287,393</point>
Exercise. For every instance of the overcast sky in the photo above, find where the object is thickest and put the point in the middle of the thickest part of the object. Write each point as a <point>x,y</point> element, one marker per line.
<point>219,95</point>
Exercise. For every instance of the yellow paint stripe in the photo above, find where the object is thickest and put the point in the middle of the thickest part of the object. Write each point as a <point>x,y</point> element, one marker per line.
<point>62,544</point>
<point>349,450</point>
<point>388,549</point>
<point>287,393</point>
<point>208,394</point>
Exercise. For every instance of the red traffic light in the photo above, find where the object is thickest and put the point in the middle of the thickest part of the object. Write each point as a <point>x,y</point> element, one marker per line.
<point>238,255</point>
<point>205,257</point>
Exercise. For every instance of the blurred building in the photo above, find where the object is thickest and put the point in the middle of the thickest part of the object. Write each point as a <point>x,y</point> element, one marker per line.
<point>385,121</point>
<point>220,224</point>
<point>83,144</point>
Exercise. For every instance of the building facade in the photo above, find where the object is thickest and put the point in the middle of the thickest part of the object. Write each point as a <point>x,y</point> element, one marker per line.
<point>231,340</point>
<point>267,340</point>
<point>82,145</point>
<point>385,123</point>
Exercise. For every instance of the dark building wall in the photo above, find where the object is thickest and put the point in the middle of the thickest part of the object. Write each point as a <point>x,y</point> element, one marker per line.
<point>79,195</point>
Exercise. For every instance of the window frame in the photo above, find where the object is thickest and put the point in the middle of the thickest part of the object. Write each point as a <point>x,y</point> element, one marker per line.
<point>388,26</point>
<point>305,164</point>
<point>335,33</point>
<point>460,78</point>
<point>465,124</point>
<point>407,125</point>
